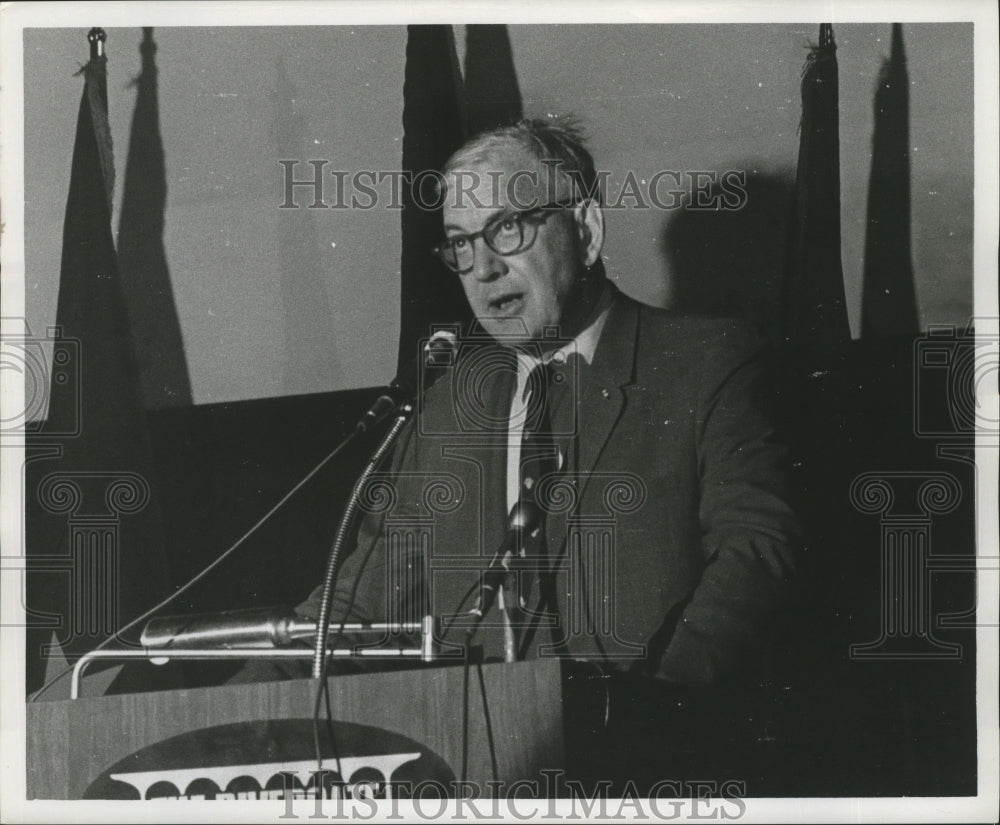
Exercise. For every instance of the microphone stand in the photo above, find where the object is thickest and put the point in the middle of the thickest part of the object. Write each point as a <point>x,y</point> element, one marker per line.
<point>336,552</point>
<point>250,634</point>
<point>523,524</point>
<point>438,352</point>
<point>509,641</point>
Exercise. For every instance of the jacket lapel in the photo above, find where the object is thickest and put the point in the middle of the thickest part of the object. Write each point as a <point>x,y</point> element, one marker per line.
<point>601,401</point>
<point>495,462</point>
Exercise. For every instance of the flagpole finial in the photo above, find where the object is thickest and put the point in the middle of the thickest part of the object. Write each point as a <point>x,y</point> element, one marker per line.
<point>826,35</point>
<point>96,37</point>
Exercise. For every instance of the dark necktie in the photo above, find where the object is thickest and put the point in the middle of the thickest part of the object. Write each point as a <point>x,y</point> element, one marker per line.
<point>539,457</point>
<point>539,453</point>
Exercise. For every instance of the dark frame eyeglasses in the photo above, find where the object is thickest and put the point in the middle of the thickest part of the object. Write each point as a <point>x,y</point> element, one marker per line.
<point>506,234</point>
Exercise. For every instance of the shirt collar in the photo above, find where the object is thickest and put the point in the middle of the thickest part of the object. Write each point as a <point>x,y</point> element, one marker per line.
<point>584,344</point>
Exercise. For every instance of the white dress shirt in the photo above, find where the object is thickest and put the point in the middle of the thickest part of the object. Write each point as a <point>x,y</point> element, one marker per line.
<point>584,345</point>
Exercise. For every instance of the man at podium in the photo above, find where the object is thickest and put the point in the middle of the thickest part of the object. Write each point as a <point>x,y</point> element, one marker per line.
<point>619,464</point>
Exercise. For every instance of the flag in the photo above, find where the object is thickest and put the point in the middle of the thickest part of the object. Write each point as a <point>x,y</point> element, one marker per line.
<point>142,259</point>
<point>814,314</point>
<point>492,94</point>
<point>94,538</point>
<point>432,130</point>
<point>889,301</point>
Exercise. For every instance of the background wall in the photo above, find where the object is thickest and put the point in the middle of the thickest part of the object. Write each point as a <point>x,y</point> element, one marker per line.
<point>276,302</point>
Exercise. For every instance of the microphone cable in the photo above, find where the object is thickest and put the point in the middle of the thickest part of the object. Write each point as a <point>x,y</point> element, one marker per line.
<point>210,567</point>
<point>440,344</point>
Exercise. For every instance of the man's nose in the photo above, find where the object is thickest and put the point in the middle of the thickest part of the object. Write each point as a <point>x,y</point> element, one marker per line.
<point>487,265</point>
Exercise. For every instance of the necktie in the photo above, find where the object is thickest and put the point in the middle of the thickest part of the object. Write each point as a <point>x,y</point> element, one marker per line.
<point>539,453</point>
<point>539,457</point>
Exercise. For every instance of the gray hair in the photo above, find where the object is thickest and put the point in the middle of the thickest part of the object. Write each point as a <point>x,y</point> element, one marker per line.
<point>560,142</point>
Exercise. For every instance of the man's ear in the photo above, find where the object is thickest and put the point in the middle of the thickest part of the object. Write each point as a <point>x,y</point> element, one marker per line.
<point>590,228</point>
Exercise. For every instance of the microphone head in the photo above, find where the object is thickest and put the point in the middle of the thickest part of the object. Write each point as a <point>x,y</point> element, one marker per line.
<point>524,516</point>
<point>440,349</point>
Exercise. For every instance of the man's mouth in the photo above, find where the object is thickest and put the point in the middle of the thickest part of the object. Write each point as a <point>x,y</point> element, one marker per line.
<point>509,304</point>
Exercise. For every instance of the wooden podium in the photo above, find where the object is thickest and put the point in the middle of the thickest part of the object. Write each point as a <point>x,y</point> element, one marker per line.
<point>72,744</point>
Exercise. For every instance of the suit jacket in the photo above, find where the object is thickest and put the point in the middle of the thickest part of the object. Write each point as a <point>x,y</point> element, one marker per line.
<point>669,536</point>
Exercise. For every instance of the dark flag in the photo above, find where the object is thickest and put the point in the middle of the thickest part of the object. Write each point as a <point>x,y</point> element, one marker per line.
<point>432,129</point>
<point>95,538</point>
<point>142,260</point>
<point>889,301</point>
<point>814,313</point>
<point>492,94</point>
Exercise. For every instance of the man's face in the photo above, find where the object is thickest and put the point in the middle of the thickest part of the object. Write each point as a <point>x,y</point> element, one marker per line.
<point>521,294</point>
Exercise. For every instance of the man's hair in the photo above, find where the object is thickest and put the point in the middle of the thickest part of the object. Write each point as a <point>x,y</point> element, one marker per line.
<point>561,141</point>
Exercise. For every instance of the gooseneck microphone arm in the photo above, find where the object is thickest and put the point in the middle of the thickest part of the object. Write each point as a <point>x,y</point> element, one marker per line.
<point>398,397</point>
<point>336,552</point>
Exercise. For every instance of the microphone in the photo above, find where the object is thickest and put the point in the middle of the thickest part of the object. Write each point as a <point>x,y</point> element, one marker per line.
<point>522,523</point>
<point>438,352</point>
<point>267,627</point>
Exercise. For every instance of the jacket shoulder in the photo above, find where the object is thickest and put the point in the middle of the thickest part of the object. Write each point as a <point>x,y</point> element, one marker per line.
<point>702,330</point>
<point>664,334</point>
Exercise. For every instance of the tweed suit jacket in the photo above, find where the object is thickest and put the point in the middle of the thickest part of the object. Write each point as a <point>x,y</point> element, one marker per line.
<point>669,537</point>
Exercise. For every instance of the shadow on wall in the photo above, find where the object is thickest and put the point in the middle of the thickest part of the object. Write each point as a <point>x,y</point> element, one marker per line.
<point>889,301</point>
<point>730,261</point>
<point>142,257</point>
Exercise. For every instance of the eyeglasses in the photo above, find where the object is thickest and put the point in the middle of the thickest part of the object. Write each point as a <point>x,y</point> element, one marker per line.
<point>506,234</point>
